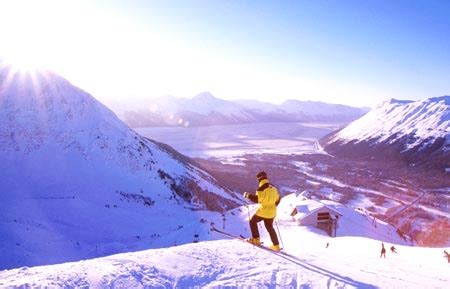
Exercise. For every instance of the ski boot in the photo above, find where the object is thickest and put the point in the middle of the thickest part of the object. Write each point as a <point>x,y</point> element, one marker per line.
<point>254,241</point>
<point>275,248</point>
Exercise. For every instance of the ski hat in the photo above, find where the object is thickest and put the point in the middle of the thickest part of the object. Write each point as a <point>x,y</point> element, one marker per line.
<point>261,176</point>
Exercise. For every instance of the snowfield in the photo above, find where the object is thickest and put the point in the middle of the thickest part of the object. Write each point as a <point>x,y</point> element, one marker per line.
<point>349,262</point>
<point>312,259</point>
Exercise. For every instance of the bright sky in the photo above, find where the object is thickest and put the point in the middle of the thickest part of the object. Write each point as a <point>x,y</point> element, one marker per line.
<point>350,52</point>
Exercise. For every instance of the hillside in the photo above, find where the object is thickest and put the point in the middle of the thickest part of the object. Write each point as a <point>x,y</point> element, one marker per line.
<point>78,183</point>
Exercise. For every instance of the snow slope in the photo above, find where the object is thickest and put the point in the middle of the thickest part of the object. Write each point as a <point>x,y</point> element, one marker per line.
<point>78,183</point>
<point>349,261</point>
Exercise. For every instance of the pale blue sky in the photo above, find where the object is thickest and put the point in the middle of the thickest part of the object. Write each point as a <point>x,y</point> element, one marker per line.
<point>351,52</point>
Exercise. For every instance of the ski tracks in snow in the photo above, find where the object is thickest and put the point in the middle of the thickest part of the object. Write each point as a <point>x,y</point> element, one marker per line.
<point>232,263</point>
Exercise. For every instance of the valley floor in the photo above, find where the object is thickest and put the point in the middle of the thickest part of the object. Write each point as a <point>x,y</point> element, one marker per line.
<point>232,141</point>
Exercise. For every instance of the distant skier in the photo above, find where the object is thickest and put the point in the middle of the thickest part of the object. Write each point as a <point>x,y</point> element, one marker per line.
<point>447,255</point>
<point>393,249</point>
<point>268,199</point>
<point>383,251</point>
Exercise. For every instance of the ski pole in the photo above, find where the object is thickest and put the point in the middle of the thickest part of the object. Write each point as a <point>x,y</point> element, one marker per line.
<point>279,234</point>
<point>248,211</point>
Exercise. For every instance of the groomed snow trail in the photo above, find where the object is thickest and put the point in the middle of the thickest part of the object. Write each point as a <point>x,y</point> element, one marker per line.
<point>232,263</point>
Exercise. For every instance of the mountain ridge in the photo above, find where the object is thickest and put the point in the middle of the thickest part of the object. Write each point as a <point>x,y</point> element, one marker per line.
<point>205,109</point>
<point>415,131</point>
<point>76,180</point>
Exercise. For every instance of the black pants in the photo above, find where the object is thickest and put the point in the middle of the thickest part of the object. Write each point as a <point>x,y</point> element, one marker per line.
<point>268,223</point>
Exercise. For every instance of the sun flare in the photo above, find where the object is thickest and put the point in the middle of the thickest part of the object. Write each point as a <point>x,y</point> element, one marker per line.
<point>24,61</point>
<point>45,34</point>
<point>26,34</point>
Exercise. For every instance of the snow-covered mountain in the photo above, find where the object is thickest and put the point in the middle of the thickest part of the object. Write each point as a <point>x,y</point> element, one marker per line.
<point>415,131</point>
<point>205,109</point>
<point>202,109</point>
<point>77,183</point>
<point>314,260</point>
<point>256,105</point>
<point>320,111</point>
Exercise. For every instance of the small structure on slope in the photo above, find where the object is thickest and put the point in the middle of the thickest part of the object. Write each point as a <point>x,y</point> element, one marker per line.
<point>307,212</point>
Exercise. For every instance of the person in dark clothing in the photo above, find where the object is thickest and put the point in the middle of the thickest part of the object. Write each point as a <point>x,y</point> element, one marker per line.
<point>447,255</point>
<point>268,198</point>
<point>393,249</point>
<point>383,251</point>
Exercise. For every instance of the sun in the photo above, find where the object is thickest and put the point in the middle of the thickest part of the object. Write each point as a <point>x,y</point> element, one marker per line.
<point>25,34</point>
<point>24,61</point>
<point>65,37</point>
<point>43,34</point>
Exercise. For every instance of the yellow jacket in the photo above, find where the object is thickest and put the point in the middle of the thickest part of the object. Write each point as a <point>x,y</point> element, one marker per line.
<point>268,199</point>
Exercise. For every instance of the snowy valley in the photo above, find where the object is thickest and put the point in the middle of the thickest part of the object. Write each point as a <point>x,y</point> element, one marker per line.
<point>407,185</point>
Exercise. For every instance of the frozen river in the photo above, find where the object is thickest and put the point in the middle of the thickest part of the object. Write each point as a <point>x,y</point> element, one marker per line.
<point>227,141</point>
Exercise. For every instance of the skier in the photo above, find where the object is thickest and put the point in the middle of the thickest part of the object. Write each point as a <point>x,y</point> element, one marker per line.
<point>447,255</point>
<point>268,199</point>
<point>383,251</point>
<point>393,249</point>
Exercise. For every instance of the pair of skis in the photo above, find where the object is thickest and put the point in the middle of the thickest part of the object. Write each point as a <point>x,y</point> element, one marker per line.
<point>281,254</point>
<point>241,238</point>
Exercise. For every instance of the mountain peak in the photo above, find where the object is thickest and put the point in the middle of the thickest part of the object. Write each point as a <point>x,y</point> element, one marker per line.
<point>45,104</point>
<point>445,99</point>
<point>397,101</point>
<point>206,95</point>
